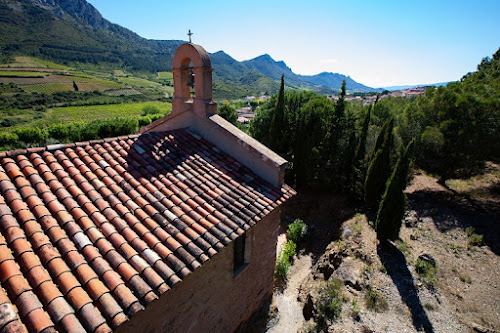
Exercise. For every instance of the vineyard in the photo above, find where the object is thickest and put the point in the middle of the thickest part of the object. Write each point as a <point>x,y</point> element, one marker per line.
<point>9,73</point>
<point>30,62</point>
<point>47,88</point>
<point>139,82</point>
<point>165,75</point>
<point>40,76</point>
<point>93,112</point>
<point>47,83</point>
<point>37,95</point>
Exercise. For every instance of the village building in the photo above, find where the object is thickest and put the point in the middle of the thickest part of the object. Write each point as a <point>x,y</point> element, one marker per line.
<point>170,230</point>
<point>245,114</point>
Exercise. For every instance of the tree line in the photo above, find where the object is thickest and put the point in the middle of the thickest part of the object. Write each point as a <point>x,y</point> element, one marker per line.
<point>367,150</point>
<point>74,132</point>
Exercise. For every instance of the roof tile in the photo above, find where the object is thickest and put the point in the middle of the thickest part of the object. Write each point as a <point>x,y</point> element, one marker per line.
<point>117,217</point>
<point>14,327</point>
<point>38,320</point>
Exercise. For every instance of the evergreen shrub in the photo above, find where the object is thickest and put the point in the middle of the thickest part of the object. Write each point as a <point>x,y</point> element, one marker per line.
<point>296,230</point>
<point>8,138</point>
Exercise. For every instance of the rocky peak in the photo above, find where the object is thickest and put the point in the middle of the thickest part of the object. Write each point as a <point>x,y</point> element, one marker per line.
<point>80,10</point>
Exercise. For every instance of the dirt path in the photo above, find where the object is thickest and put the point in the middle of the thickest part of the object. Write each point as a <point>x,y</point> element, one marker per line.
<point>290,317</point>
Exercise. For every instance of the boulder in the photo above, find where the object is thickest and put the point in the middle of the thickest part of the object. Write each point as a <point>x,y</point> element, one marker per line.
<point>351,273</point>
<point>346,233</point>
<point>427,258</point>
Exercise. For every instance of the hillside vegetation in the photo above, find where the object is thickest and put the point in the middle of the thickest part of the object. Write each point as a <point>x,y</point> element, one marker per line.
<point>456,130</point>
<point>73,32</point>
<point>416,258</point>
<point>42,102</point>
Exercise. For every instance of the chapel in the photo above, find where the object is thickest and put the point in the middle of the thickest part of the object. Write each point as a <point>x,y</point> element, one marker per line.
<point>173,229</point>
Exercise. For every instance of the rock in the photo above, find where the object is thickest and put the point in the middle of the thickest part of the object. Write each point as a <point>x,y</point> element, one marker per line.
<point>366,329</point>
<point>335,259</point>
<point>308,308</point>
<point>411,219</point>
<point>350,272</point>
<point>346,233</point>
<point>427,258</point>
<point>478,328</point>
<point>326,270</point>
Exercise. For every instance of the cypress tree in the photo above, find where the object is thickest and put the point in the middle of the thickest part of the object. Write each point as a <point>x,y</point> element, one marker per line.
<point>379,169</point>
<point>392,205</point>
<point>332,146</point>
<point>75,87</point>
<point>359,158</point>
<point>340,105</point>
<point>303,149</point>
<point>383,135</point>
<point>360,152</point>
<point>276,137</point>
<point>348,173</point>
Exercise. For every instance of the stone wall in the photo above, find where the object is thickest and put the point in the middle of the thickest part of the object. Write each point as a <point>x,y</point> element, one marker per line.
<point>212,299</point>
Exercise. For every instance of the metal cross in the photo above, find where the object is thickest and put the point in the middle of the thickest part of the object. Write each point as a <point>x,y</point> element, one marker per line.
<point>189,34</point>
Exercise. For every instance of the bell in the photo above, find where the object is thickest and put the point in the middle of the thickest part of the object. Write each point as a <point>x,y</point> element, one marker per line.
<point>190,82</point>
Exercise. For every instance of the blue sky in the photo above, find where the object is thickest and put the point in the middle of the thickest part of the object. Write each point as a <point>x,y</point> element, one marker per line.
<point>377,43</point>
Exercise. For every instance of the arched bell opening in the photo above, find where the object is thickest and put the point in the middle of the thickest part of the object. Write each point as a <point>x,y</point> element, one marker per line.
<point>192,71</point>
<point>185,89</point>
<point>191,81</point>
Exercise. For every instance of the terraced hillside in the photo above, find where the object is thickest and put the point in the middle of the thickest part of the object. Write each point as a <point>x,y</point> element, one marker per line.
<point>39,93</point>
<point>31,74</point>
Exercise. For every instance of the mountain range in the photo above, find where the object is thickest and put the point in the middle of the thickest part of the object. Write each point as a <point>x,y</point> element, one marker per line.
<point>73,32</point>
<point>394,88</point>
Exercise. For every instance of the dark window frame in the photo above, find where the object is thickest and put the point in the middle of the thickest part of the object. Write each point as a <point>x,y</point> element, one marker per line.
<point>240,258</point>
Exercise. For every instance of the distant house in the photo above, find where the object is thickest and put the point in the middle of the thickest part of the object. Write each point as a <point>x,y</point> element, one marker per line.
<point>353,98</point>
<point>170,230</point>
<point>245,114</point>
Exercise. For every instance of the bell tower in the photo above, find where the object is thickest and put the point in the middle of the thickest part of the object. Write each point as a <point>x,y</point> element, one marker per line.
<point>192,66</point>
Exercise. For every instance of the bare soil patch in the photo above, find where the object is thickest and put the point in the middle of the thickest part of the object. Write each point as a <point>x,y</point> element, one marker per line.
<point>381,288</point>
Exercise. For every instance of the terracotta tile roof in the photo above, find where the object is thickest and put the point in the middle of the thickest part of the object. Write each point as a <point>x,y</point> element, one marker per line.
<point>93,232</point>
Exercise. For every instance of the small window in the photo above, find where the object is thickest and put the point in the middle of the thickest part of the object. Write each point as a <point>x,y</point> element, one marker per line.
<point>241,253</point>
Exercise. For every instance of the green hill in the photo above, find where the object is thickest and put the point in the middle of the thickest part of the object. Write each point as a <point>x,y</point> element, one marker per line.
<point>73,33</point>
<point>323,82</point>
<point>233,78</point>
<point>334,81</point>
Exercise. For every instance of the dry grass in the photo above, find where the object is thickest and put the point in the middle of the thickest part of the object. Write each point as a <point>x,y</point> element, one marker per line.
<point>480,186</point>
